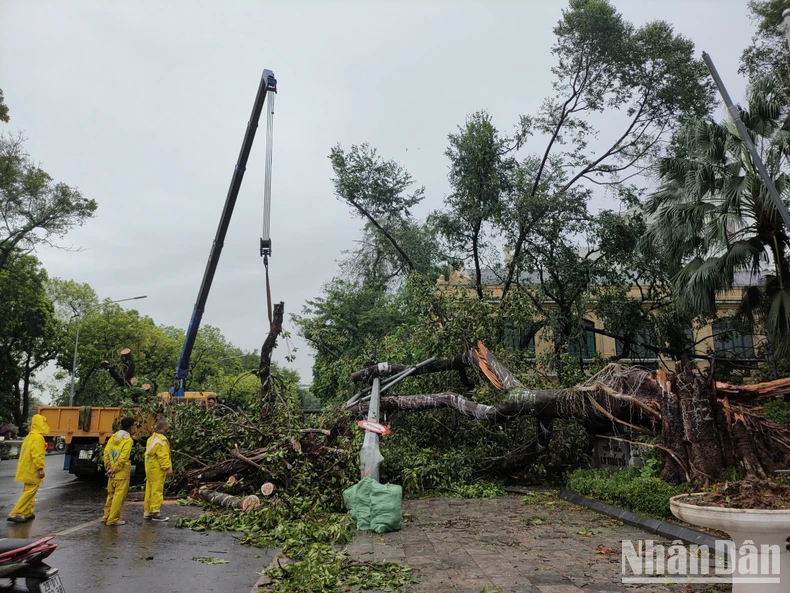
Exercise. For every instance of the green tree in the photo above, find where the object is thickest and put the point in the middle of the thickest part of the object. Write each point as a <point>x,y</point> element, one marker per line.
<point>342,325</point>
<point>560,257</point>
<point>649,75</point>
<point>3,109</point>
<point>377,191</point>
<point>713,212</point>
<point>768,54</point>
<point>480,173</point>
<point>30,335</point>
<point>35,209</point>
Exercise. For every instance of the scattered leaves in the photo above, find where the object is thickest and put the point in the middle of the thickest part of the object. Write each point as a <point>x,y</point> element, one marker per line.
<point>210,560</point>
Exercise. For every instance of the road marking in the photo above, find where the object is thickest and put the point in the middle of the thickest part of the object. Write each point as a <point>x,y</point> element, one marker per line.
<point>77,527</point>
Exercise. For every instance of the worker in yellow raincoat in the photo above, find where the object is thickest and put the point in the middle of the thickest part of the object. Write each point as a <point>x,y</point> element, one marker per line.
<point>157,467</point>
<point>30,469</point>
<point>119,471</point>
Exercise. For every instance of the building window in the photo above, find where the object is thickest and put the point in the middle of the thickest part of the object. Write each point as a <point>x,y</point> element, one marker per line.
<point>510,336</point>
<point>637,349</point>
<point>690,339</point>
<point>516,339</point>
<point>731,343</point>
<point>586,341</point>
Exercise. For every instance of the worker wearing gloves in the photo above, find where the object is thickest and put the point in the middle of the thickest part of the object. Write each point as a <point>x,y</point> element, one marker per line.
<point>157,467</point>
<point>30,469</point>
<point>119,471</point>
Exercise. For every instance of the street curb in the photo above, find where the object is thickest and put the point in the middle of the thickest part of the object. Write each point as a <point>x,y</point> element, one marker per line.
<point>668,530</point>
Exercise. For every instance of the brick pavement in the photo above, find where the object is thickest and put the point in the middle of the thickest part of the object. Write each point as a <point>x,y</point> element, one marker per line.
<point>504,545</point>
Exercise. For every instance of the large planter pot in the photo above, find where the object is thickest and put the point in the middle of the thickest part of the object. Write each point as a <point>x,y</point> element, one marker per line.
<point>760,527</point>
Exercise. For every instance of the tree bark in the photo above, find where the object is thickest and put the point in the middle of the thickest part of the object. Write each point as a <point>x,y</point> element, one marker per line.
<point>227,501</point>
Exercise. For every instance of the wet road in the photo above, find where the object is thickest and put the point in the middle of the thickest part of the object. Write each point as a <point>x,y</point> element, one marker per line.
<point>136,557</point>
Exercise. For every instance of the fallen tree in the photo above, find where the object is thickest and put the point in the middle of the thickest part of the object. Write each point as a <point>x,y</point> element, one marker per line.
<point>704,427</point>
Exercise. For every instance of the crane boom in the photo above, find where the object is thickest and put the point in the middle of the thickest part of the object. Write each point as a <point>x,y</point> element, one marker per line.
<point>267,88</point>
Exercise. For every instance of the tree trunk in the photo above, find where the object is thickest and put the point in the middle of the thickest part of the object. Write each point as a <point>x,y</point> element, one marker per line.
<point>265,367</point>
<point>388,369</point>
<point>128,367</point>
<point>702,431</point>
<point>219,498</point>
<point>18,404</point>
<point>123,373</point>
<point>26,391</point>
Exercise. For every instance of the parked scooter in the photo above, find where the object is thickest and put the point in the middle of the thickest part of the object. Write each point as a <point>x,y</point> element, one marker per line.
<point>21,560</point>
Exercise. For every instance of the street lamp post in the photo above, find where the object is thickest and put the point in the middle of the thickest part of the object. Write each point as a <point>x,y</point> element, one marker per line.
<point>77,339</point>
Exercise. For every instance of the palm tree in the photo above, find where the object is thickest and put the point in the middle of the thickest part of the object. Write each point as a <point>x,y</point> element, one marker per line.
<point>714,215</point>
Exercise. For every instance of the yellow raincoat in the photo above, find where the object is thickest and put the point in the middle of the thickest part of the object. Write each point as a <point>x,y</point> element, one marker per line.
<point>31,461</point>
<point>116,460</point>
<point>157,464</point>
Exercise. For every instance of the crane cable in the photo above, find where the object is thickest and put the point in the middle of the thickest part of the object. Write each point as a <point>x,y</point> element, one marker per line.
<point>266,245</point>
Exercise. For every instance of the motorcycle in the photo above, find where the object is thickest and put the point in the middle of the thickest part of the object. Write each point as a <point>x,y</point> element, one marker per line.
<point>22,559</point>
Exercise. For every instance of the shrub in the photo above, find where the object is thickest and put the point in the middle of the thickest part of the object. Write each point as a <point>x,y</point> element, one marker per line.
<point>627,489</point>
<point>779,412</point>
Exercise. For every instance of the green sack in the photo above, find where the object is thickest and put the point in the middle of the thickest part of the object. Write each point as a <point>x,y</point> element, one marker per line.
<point>385,508</point>
<point>374,506</point>
<point>357,501</point>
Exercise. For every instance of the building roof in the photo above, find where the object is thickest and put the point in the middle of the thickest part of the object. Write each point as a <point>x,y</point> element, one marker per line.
<point>497,276</point>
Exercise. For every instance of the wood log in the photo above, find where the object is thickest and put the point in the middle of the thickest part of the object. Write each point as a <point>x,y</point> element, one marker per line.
<point>219,472</point>
<point>128,366</point>
<point>122,373</point>
<point>220,498</point>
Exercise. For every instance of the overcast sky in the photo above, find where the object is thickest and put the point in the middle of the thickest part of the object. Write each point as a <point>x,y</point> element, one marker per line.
<point>143,106</point>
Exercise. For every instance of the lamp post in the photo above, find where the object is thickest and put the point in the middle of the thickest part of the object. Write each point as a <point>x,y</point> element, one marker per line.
<point>77,339</point>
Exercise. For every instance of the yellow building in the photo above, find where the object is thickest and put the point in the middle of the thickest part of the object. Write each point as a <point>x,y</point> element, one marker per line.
<point>713,338</point>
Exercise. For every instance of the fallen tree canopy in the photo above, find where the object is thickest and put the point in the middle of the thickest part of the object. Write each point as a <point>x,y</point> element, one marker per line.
<point>704,427</point>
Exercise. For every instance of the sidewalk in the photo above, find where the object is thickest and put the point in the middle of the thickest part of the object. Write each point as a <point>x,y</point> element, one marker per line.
<point>463,546</point>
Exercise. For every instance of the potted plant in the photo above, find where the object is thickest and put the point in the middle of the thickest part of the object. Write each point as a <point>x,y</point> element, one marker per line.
<point>756,515</point>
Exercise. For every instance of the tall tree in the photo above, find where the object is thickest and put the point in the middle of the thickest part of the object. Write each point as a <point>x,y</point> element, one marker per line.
<point>647,74</point>
<point>30,335</point>
<point>3,109</point>
<point>713,210</point>
<point>377,191</point>
<point>480,177</point>
<point>34,209</point>
<point>342,325</point>
<point>377,263</point>
<point>768,54</point>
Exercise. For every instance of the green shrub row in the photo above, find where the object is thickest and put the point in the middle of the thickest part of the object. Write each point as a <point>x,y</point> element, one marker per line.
<point>627,489</point>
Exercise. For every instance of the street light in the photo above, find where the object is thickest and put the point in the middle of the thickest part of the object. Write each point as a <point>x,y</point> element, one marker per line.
<point>77,339</point>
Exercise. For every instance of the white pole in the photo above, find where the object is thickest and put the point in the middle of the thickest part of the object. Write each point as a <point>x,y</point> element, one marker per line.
<point>370,457</point>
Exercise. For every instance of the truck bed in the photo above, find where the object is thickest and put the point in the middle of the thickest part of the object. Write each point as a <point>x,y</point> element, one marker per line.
<point>64,422</point>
